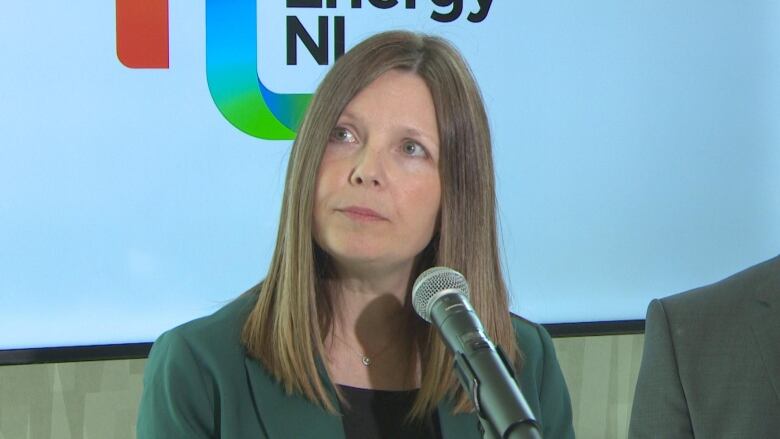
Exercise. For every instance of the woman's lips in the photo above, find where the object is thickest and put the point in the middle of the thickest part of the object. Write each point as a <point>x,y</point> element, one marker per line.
<point>361,213</point>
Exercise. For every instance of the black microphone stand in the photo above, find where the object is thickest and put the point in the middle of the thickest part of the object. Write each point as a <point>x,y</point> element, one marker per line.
<point>484,372</point>
<point>513,419</point>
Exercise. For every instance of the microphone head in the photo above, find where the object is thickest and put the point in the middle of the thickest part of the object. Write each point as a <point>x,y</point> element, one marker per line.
<point>433,281</point>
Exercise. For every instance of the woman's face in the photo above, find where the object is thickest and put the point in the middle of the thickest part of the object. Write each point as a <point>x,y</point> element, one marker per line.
<point>378,191</point>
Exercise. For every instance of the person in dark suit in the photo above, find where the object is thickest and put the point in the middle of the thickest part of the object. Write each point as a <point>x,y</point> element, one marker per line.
<point>391,173</point>
<point>711,362</point>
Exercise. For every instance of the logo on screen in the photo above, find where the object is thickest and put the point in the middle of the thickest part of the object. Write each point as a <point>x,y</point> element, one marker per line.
<point>231,53</point>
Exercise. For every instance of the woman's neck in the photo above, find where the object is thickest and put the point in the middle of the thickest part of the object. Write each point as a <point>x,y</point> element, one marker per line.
<point>368,279</point>
<point>368,315</point>
<point>371,325</point>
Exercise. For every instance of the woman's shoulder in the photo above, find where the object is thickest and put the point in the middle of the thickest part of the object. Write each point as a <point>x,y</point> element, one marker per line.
<point>212,336</point>
<point>226,318</point>
<point>190,368</point>
<point>533,338</point>
<point>538,359</point>
<point>541,379</point>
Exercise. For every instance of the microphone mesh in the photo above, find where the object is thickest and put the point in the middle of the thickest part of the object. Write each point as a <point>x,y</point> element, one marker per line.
<point>433,281</point>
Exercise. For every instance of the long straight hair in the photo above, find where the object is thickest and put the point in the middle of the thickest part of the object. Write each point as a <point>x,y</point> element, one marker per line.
<point>286,329</point>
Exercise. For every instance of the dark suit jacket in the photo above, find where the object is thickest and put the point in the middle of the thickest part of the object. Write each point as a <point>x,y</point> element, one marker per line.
<point>199,383</point>
<point>711,362</point>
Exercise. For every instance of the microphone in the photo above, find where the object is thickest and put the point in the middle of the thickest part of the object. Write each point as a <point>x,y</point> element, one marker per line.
<point>440,296</point>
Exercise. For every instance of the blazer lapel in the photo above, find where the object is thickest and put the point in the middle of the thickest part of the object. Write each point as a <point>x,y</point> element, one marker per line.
<point>766,327</point>
<point>288,416</point>
<point>460,426</point>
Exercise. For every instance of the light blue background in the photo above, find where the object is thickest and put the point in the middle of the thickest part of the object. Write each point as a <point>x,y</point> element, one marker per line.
<point>637,155</point>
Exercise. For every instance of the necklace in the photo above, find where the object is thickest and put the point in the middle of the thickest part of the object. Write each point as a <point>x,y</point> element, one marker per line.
<point>365,359</point>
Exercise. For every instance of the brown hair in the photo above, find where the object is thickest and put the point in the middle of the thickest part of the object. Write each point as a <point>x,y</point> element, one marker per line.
<point>287,326</point>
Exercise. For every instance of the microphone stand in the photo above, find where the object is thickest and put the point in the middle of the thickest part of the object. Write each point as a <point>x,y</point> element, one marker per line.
<point>503,412</point>
<point>484,372</point>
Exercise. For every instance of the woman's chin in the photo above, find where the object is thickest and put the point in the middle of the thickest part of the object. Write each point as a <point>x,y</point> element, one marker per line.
<point>375,255</point>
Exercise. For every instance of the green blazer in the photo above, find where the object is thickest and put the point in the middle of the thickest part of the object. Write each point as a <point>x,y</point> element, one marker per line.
<point>199,383</point>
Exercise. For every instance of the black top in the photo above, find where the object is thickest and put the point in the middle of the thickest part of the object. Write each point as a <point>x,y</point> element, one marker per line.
<point>381,414</point>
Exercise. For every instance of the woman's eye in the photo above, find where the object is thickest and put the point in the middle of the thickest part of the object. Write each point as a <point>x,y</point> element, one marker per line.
<point>342,135</point>
<point>414,149</point>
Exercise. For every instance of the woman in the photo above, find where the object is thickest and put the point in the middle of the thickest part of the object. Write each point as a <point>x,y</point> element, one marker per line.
<point>391,173</point>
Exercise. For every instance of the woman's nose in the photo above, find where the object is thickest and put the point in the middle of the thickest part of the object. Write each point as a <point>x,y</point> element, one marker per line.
<point>368,168</point>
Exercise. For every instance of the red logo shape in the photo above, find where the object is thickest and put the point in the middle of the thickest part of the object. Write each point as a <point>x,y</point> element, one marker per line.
<point>142,33</point>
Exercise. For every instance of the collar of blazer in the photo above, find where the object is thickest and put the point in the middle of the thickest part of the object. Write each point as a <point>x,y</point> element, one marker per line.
<point>766,324</point>
<point>286,416</point>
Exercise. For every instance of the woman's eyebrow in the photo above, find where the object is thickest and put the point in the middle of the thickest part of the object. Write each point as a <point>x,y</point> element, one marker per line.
<point>346,114</point>
<point>414,132</point>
